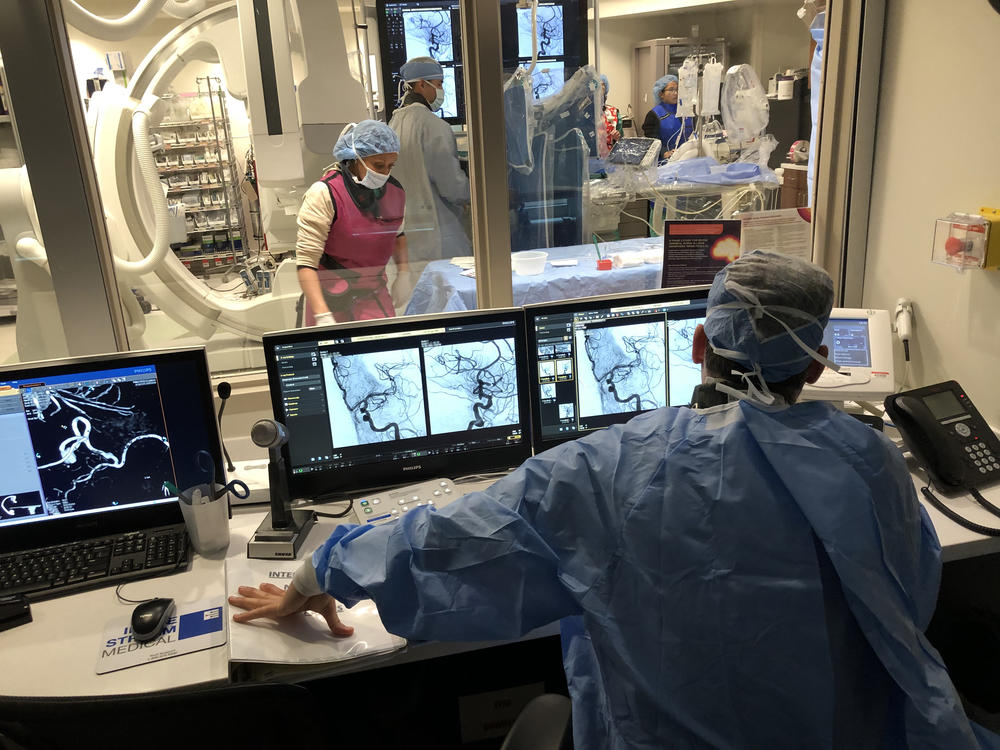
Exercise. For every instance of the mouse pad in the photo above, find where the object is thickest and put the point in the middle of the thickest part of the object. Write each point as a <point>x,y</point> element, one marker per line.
<point>194,627</point>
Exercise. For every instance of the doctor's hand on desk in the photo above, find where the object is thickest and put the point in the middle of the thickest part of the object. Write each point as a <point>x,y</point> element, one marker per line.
<point>276,603</point>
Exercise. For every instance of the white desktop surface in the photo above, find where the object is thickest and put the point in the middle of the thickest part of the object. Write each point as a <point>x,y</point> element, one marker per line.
<point>56,654</point>
<point>958,542</point>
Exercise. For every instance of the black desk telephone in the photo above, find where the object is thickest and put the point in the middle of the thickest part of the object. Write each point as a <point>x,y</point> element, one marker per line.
<point>947,435</point>
<point>951,440</point>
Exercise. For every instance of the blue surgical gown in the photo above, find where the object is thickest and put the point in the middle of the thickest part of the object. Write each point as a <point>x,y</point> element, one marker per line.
<point>682,552</point>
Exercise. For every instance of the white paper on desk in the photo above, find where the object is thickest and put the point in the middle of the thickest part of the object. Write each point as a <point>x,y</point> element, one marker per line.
<point>304,639</point>
<point>785,230</point>
<point>564,262</point>
<point>194,627</point>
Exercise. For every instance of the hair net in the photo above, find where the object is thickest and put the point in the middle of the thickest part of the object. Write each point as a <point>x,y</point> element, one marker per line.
<point>753,296</point>
<point>421,68</point>
<point>367,138</point>
<point>661,84</point>
<point>607,86</point>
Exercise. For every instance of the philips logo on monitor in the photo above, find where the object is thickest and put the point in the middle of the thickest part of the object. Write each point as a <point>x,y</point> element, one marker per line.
<point>412,468</point>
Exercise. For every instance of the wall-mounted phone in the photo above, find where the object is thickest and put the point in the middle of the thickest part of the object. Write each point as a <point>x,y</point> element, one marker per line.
<point>947,435</point>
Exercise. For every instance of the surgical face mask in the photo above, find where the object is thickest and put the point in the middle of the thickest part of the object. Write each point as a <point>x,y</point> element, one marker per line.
<point>372,180</point>
<point>438,99</point>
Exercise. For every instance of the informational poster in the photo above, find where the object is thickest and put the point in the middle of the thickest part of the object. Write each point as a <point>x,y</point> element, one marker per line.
<point>694,251</point>
<point>195,626</point>
<point>786,230</point>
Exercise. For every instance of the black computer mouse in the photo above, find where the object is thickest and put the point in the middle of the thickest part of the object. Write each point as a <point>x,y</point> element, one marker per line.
<point>149,618</point>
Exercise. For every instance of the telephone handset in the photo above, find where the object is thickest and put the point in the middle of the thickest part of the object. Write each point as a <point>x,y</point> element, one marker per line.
<point>947,436</point>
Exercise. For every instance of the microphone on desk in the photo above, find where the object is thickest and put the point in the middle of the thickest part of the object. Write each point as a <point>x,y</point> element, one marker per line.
<point>267,433</point>
<point>225,391</point>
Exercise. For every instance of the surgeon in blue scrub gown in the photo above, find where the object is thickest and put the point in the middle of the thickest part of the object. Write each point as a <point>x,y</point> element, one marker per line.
<point>753,575</point>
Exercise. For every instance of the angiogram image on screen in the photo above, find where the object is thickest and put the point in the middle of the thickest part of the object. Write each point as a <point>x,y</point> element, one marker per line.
<point>623,368</point>
<point>684,373</point>
<point>374,397</point>
<point>549,21</point>
<point>471,385</point>
<point>450,106</point>
<point>547,79</point>
<point>428,34</point>
<point>98,445</point>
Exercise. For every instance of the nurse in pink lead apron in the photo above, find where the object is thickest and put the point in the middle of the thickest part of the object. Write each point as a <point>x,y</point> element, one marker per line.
<point>349,229</point>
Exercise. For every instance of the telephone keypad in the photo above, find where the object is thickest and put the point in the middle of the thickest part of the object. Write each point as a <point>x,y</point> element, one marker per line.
<point>980,457</point>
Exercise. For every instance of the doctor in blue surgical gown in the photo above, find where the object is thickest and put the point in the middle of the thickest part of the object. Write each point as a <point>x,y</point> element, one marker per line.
<point>753,575</point>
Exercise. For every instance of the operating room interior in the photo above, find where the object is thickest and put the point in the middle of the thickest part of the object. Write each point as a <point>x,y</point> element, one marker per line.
<point>217,296</point>
<point>152,172</point>
<point>226,274</point>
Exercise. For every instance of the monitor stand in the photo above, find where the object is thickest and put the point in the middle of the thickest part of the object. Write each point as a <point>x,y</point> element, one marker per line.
<point>269,543</point>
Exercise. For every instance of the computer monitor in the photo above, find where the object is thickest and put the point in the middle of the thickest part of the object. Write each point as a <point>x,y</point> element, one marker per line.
<point>860,341</point>
<point>87,443</point>
<point>382,402</point>
<point>600,361</point>
<point>433,28</point>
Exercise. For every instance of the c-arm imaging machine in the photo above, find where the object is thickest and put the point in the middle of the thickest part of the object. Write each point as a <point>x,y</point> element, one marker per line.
<point>289,61</point>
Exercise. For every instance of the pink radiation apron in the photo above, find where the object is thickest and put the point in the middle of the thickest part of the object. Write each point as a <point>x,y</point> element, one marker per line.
<point>352,267</point>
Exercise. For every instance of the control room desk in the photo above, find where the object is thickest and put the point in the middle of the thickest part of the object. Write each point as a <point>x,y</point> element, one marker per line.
<point>56,654</point>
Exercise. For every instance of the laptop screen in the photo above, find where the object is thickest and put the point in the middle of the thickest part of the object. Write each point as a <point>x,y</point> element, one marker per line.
<point>84,439</point>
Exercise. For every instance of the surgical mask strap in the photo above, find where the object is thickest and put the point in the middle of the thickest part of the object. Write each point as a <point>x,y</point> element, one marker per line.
<point>753,304</point>
<point>761,395</point>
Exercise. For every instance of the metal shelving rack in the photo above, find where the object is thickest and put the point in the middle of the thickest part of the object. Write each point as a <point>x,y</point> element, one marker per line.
<point>204,250</point>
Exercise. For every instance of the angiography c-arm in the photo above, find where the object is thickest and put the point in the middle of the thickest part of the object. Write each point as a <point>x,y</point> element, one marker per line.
<point>295,76</point>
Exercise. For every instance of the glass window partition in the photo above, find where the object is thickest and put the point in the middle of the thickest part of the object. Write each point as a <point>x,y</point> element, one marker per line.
<point>56,297</point>
<point>674,114</point>
<point>210,130</point>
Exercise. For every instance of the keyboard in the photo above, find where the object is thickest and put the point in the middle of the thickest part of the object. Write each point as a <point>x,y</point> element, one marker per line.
<point>51,571</point>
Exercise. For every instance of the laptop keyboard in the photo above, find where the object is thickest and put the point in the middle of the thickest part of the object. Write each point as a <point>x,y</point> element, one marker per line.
<point>50,571</point>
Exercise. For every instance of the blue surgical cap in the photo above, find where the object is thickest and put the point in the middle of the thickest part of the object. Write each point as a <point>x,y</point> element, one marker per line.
<point>421,68</point>
<point>796,292</point>
<point>367,138</point>
<point>607,86</point>
<point>662,84</point>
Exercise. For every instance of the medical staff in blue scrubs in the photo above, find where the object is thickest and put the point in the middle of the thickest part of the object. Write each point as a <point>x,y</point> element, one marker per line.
<point>757,574</point>
<point>662,121</point>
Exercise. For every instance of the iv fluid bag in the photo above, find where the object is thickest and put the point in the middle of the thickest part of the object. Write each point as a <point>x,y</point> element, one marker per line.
<point>711,81</point>
<point>687,88</point>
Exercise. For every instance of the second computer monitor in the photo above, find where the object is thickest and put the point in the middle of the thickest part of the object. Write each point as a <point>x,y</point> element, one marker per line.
<point>600,361</point>
<point>386,402</point>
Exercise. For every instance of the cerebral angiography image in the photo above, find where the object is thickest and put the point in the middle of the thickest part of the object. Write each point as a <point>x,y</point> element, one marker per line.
<point>471,385</point>
<point>625,369</point>
<point>98,445</point>
<point>549,23</point>
<point>684,373</point>
<point>374,397</point>
<point>547,79</point>
<point>428,34</point>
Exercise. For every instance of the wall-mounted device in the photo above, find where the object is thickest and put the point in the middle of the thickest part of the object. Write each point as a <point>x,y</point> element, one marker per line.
<point>283,530</point>
<point>860,341</point>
